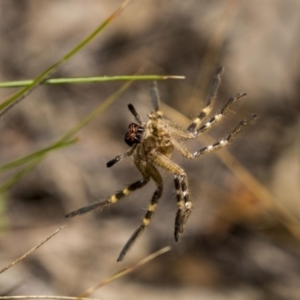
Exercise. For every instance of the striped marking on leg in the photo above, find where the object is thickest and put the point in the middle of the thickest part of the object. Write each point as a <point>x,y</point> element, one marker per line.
<point>211,148</point>
<point>178,190</point>
<point>145,222</point>
<point>111,200</point>
<point>180,208</point>
<point>229,139</point>
<point>197,121</point>
<point>152,207</point>
<point>184,210</point>
<point>212,94</point>
<point>185,193</point>
<point>217,118</point>
<point>186,196</point>
<point>209,124</point>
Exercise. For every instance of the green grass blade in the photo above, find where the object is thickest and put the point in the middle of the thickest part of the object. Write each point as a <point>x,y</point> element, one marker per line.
<point>15,178</point>
<point>100,109</point>
<point>21,83</point>
<point>3,217</point>
<point>21,94</point>
<point>65,138</point>
<point>38,154</point>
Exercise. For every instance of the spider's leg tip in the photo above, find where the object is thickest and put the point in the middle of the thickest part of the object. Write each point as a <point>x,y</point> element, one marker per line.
<point>220,70</point>
<point>120,258</point>
<point>111,163</point>
<point>70,215</point>
<point>251,117</point>
<point>177,236</point>
<point>240,95</point>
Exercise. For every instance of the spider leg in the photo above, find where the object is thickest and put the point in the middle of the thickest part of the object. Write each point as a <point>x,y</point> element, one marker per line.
<point>186,135</point>
<point>114,198</point>
<point>155,98</point>
<point>182,149</point>
<point>178,132</point>
<point>224,142</point>
<point>184,204</point>
<point>153,172</point>
<point>218,117</point>
<point>135,114</point>
<point>212,94</point>
<point>111,200</point>
<point>121,156</point>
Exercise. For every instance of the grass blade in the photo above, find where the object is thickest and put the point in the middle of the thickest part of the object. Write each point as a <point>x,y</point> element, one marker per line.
<point>16,177</point>
<point>100,109</point>
<point>43,297</point>
<point>21,94</point>
<point>32,249</point>
<point>21,83</point>
<point>123,272</point>
<point>66,137</point>
<point>30,157</point>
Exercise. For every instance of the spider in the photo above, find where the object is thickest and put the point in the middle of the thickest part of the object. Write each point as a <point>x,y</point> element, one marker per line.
<point>152,144</point>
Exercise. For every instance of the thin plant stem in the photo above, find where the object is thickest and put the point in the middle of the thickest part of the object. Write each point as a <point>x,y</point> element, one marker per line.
<point>21,94</point>
<point>123,272</point>
<point>32,249</point>
<point>28,158</point>
<point>76,80</point>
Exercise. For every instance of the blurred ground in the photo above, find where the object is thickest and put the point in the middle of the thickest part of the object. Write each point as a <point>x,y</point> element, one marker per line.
<point>237,245</point>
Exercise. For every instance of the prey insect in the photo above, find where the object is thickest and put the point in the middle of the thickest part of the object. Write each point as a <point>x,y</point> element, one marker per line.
<point>151,146</point>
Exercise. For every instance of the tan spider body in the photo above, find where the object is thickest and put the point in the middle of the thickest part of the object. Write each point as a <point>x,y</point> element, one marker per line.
<point>152,144</point>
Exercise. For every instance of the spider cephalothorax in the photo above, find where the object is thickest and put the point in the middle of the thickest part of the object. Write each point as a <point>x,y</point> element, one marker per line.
<point>151,146</point>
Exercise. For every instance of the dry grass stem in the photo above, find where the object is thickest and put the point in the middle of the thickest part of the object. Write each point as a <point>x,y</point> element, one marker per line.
<point>123,272</point>
<point>43,297</point>
<point>32,249</point>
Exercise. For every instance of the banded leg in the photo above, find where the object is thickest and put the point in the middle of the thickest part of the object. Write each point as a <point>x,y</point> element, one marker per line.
<point>224,142</point>
<point>155,98</point>
<point>212,94</point>
<point>184,204</point>
<point>111,200</point>
<point>116,197</point>
<point>150,211</point>
<point>218,117</point>
<point>121,156</point>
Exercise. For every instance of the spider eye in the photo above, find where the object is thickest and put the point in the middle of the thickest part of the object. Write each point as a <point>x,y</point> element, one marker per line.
<point>134,134</point>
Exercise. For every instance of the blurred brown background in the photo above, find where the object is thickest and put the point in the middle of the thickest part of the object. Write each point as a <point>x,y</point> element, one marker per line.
<point>240,243</point>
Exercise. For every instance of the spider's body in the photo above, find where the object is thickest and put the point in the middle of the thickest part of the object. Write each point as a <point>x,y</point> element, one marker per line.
<point>152,144</point>
<point>157,137</point>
